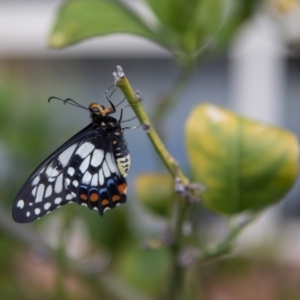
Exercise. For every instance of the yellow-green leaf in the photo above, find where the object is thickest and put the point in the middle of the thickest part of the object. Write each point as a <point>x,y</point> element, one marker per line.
<point>243,164</point>
<point>155,191</point>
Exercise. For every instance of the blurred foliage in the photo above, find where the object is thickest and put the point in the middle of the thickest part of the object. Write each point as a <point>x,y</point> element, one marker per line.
<point>183,29</point>
<point>163,187</point>
<point>109,248</point>
<point>85,19</point>
<point>145,269</point>
<point>23,134</point>
<point>8,287</point>
<point>238,278</point>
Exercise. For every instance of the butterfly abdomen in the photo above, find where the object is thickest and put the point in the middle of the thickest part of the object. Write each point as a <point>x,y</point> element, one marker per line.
<point>121,156</point>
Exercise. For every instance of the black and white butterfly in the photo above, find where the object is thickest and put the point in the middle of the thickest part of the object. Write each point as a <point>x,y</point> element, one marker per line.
<point>89,169</point>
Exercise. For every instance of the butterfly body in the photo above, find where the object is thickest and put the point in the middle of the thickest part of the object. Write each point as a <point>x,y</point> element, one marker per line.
<point>89,169</point>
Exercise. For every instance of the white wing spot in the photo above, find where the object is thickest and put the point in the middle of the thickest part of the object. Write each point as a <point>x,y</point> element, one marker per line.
<point>95,208</point>
<point>52,172</point>
<point>65,156</point>
<point>86,179</point>
<point>105,169</point>
<point>106,209</point>
<point>110,162</point>
<point>85,149</point>
<point>58,184</point>
<point>37,211</point>
<point>28,214</point>
<point>69,197</point>
<point>84,204</point>
<point>20,204</point>
<point>75,183</point>
<point>48,191</point>
<point>51,179</point>
<point>67,182</point>
<point>30,203</point>
<point>101,177</point>
<point>97,157</point>
<point>85,164</point>
<point>58,200</point>
<point>36,180</point>
<point>71,171</point>
<point>40,193</point>
<point>33,192</point>
<point>95,180</point>
<point>47,205</point>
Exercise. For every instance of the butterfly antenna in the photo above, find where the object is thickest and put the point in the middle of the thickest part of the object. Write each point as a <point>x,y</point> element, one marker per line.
<point>69,101</point>
<point>108,97</point>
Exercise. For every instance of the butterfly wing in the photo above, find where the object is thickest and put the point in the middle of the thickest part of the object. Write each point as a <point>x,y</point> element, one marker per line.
<point>83,170</point>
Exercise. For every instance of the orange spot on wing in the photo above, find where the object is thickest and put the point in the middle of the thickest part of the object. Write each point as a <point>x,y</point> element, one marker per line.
<point>83,197</point>
<point>94,197</point>
<point>104,202</point>
<point>115,198</point>
<point>122,188</point>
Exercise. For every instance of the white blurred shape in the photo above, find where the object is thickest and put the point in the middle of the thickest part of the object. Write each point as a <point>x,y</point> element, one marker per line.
<point>257,71</point>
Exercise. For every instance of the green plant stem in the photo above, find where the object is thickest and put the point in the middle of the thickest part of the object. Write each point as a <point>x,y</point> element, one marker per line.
<point>176,285</point>
<point>141,114</point>
<point>225,246</point>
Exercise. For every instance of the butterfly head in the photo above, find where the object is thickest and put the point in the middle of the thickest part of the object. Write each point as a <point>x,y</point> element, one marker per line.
<point>98,110</point>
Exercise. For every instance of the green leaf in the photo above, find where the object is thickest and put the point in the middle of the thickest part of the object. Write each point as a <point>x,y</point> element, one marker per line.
<point>156,192</point>
<point>175,14</point>
<point>210,16</point>
<point>193,21</point>
<point>245,165</point>
<point>79,20</point>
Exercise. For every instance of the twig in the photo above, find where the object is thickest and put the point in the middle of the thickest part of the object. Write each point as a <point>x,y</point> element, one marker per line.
<point>133,99</point>
<point>225,246</point>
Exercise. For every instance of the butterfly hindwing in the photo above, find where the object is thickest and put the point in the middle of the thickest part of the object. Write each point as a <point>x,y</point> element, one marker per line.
<point>84,170</point>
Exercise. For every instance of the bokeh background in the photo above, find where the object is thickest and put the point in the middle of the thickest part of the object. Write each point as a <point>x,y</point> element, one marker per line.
<point>258,76</point>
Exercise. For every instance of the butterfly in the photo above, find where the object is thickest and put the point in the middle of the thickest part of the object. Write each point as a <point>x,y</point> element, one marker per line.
<point>89,169</point>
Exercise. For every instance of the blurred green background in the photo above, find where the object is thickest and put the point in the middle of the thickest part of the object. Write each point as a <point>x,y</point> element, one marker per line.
<point>73,253</point>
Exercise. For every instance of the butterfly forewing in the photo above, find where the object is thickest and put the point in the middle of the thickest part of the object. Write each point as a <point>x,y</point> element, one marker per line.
<point>89,169</point>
